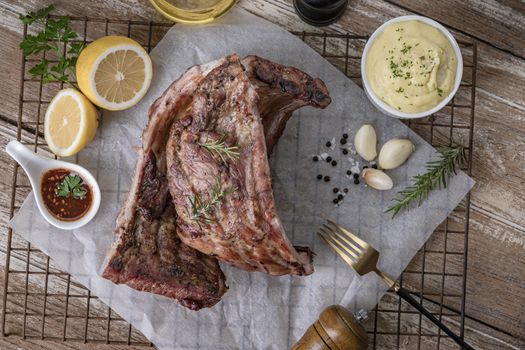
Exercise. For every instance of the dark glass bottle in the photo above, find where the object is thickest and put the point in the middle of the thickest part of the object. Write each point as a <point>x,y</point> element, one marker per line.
<point>320,12</point>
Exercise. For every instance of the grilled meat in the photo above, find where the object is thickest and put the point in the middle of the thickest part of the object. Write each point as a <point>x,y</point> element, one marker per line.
<point>148,255</point>
<point>222,102</point>
<point>229,109</point>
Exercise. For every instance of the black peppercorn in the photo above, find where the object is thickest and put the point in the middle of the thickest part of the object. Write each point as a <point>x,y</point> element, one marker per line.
<point>345,136</point>
<point>328,144</point>
<point>334,163</point>
<point>345,151</point>
<point>319,177</point>
<point>343,141</point>
<point>335,190</point>
<point>356,176</point>
<point>374,166</point>
<point>345,190</point>
<point>335,201</point>
<point>340,197</point>
<point>328,159</point>
<point>348,172</point>
<point>326,178</point>
<point>365,166</point>
<point>315,158</point>
<point>356,181</point>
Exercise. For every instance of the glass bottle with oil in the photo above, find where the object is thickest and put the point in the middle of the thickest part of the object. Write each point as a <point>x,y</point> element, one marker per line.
<point>193,11</point>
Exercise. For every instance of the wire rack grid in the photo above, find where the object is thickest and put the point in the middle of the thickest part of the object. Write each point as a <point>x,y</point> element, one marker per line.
<point>41,302</point>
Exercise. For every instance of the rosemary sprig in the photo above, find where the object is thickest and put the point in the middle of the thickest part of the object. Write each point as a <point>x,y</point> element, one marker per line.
<point>56,36</point>
<point>438,172</point>
<point>219,148</point>
<point>200,210</point>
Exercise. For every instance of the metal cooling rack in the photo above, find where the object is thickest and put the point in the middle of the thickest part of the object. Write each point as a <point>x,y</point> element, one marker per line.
<point>42,302</point>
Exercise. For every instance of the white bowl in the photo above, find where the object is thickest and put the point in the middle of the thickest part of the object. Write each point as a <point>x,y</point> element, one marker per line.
<point>384,107</point>
<point>36,166</point>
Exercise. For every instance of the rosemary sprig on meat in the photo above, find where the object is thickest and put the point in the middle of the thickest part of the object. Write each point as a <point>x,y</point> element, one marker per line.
<point>201,210</point>
<point>219,148</point>
<point>437,175</point>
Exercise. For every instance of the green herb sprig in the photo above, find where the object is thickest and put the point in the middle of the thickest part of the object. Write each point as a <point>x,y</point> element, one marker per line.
<point>220,149</point>
<point>201,210</point>
<point>56,36</point>
<point>436,177</point>
<point>72,185</point>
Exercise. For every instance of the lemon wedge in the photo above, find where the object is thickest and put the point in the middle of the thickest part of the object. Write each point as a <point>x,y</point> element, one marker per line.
<point>114,72</point>
<point>70,123</point>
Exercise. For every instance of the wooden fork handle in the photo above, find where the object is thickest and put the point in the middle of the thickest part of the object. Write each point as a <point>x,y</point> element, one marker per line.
<point>405,294</point>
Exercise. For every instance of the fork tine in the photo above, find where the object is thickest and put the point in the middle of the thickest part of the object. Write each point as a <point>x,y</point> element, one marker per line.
<point>358,240</point>
<point>332,235</point>
<point>335,238</point>
<point>348,240</point>
<point>345,257</point>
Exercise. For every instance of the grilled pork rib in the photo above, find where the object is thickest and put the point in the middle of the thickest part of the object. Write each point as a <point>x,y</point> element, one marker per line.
<point>148,254</point>
<point>225,204</point>
<point>282,90</point>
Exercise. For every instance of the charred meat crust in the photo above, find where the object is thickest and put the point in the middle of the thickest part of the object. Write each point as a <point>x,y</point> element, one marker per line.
<point>282,90</point>
<point>290,80</point>
<point>148,255</point>
<point>151,257</point>
<point>244,228</point>
<point>153,190</point>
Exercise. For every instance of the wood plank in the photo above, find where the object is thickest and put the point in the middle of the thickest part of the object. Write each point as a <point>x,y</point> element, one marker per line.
<point>141,10</point>
<point>478,335</point>
<point>10,35</point>
<point>387,322</point>
<point>497,219</point>
<point>498,23</point>
<point>15,343</point>
<point>489,242</point>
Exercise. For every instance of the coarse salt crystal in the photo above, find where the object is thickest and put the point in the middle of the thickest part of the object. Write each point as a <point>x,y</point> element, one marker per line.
<point>355,169</point>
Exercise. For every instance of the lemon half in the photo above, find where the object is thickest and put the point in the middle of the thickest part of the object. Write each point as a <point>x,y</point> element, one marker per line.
<point>70,123</point>
<point>114,72</point>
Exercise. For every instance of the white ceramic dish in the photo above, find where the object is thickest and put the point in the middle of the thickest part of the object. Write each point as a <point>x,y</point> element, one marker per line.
<point>36,166</point>
<point>384,107</point>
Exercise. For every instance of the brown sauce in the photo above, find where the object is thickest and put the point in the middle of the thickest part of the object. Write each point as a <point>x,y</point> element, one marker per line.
<point>63,205</point>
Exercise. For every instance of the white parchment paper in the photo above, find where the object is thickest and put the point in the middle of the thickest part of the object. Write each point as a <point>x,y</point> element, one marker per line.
<point>258,311</point>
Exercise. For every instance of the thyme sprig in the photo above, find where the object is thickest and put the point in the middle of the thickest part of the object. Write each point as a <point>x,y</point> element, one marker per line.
<point>201,210</point>
<point>219,148</point>
<point>436,177</point>
<point>57,37</point>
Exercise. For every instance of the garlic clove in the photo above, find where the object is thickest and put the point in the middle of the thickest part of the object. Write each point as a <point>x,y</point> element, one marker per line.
<point>394,153</point>
<point>365,142</point>
<point>377,179</point>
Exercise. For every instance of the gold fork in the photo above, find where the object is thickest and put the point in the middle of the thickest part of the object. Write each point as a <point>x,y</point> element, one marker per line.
<point>362,257</point>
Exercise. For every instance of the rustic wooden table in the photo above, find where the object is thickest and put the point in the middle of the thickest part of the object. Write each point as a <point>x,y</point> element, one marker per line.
<point>495,303</point>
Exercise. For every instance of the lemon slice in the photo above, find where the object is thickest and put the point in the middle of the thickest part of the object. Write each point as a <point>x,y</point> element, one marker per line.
<point>70,123</point>
<point>114,72</point>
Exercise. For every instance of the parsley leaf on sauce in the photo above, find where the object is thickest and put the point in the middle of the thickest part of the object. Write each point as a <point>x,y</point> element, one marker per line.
<point>71,185</point>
